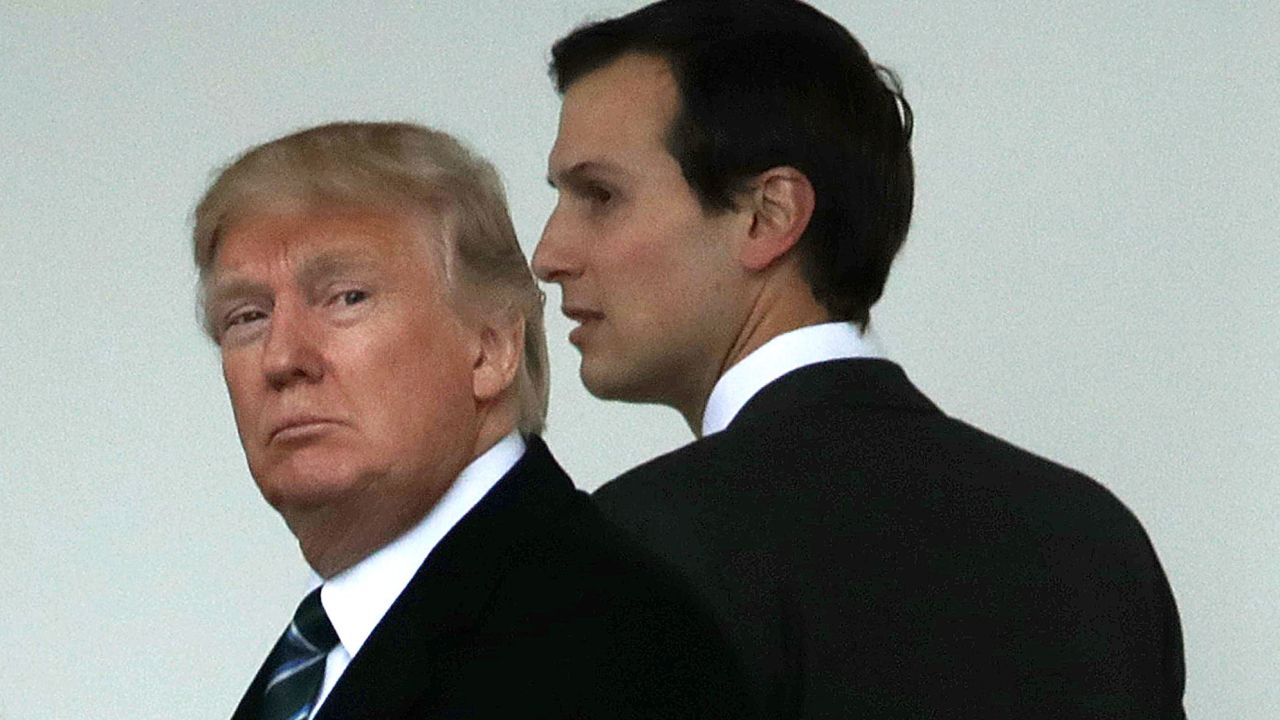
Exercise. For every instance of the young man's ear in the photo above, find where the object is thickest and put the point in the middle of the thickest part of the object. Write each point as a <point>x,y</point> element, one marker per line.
<point>781,201</point>
<point>498,353</point>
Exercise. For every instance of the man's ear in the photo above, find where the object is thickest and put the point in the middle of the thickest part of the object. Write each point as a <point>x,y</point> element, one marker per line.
<point>501,345</point>
<point>781,201</point>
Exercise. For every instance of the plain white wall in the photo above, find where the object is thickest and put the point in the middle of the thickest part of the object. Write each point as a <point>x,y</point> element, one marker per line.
<point>1091,274</point>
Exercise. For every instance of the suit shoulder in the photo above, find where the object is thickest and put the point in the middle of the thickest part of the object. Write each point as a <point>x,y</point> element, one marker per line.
<point>928,466</point>
<point>579,556</point>
<point>678,470</point>
<point>984,462</point>
<point>579,590</point>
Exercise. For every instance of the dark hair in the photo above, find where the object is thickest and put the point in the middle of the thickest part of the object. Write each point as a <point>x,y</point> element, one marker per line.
<point>768,83</point>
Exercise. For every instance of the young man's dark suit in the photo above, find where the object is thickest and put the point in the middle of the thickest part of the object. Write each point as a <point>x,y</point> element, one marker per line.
<point>533,606</point>
<point>872,557</point>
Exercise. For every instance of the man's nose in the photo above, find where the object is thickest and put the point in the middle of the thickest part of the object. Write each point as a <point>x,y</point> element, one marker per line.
<point>553,259</point>
<point>291,354</point>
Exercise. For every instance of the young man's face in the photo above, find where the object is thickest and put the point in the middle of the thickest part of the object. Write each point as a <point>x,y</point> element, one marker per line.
<point>648,275</point>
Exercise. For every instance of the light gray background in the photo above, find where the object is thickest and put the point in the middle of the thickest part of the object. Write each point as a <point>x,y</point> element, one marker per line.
<point>1091,274</point>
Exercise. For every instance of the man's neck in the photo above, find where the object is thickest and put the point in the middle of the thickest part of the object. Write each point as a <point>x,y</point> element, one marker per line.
<point>780,356</point>
<point>336,537</point>
<point>775,312</point>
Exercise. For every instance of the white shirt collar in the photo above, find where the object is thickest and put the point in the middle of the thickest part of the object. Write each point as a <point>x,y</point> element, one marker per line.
<point>357,598</point>
<point>782,354</point>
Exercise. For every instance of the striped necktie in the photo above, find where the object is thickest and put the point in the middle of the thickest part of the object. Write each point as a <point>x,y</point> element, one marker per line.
<point>297,662</point>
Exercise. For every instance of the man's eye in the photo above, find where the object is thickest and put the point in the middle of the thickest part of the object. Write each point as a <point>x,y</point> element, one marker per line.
<point>598,194</point>
<point>244,317</point>
<point>353,297</point>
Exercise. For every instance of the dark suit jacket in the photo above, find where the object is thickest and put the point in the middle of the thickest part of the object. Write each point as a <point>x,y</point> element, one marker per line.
<point>533,606</point>
<point>872,557</point>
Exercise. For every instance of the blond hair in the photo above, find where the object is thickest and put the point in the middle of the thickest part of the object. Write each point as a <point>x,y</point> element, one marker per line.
<point>399,167</point>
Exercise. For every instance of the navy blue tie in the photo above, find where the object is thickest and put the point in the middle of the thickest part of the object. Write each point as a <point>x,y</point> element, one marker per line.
<point>296,664</point>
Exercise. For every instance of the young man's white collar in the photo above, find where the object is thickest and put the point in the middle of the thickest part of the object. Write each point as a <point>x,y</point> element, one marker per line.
<point>356,599</point>
<point>779,356</point>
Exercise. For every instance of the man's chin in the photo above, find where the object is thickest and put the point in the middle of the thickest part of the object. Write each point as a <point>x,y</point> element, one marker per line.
<point>601,385</point>
<point>297,487</point>
<point>611,383</point>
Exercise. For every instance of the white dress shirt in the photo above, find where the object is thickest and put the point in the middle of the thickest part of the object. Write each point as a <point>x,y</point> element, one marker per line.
<point>784,353</point>
<point>357,598</point>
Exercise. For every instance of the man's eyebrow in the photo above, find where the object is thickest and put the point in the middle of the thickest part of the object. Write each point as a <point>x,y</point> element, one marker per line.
<point>584,171</point>
<point>313,270</point>
<point>222,289</point>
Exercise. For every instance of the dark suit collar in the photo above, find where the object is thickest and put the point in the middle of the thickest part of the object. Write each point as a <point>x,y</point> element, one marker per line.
<point>865,382</point>
<point>446,596</point>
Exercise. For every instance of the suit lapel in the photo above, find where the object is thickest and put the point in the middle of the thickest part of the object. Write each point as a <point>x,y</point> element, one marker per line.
<point>250,704</point>
<point>447,596</point>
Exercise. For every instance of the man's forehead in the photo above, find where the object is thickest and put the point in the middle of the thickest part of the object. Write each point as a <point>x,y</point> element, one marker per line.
<point>632,70</point>
<point>627,104</point>
<point>320,242</point>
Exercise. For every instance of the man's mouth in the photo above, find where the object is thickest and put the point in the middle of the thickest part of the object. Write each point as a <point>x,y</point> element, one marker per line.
<point>300,426</point>
<point>581,315</point>
<point>584,318</point>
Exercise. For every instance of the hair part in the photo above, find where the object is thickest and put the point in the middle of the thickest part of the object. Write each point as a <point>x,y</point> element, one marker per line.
<point>398,168</point>
<point>770,83</point>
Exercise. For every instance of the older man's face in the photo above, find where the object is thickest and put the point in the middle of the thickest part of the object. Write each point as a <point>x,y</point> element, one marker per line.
<point>350,375</point>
